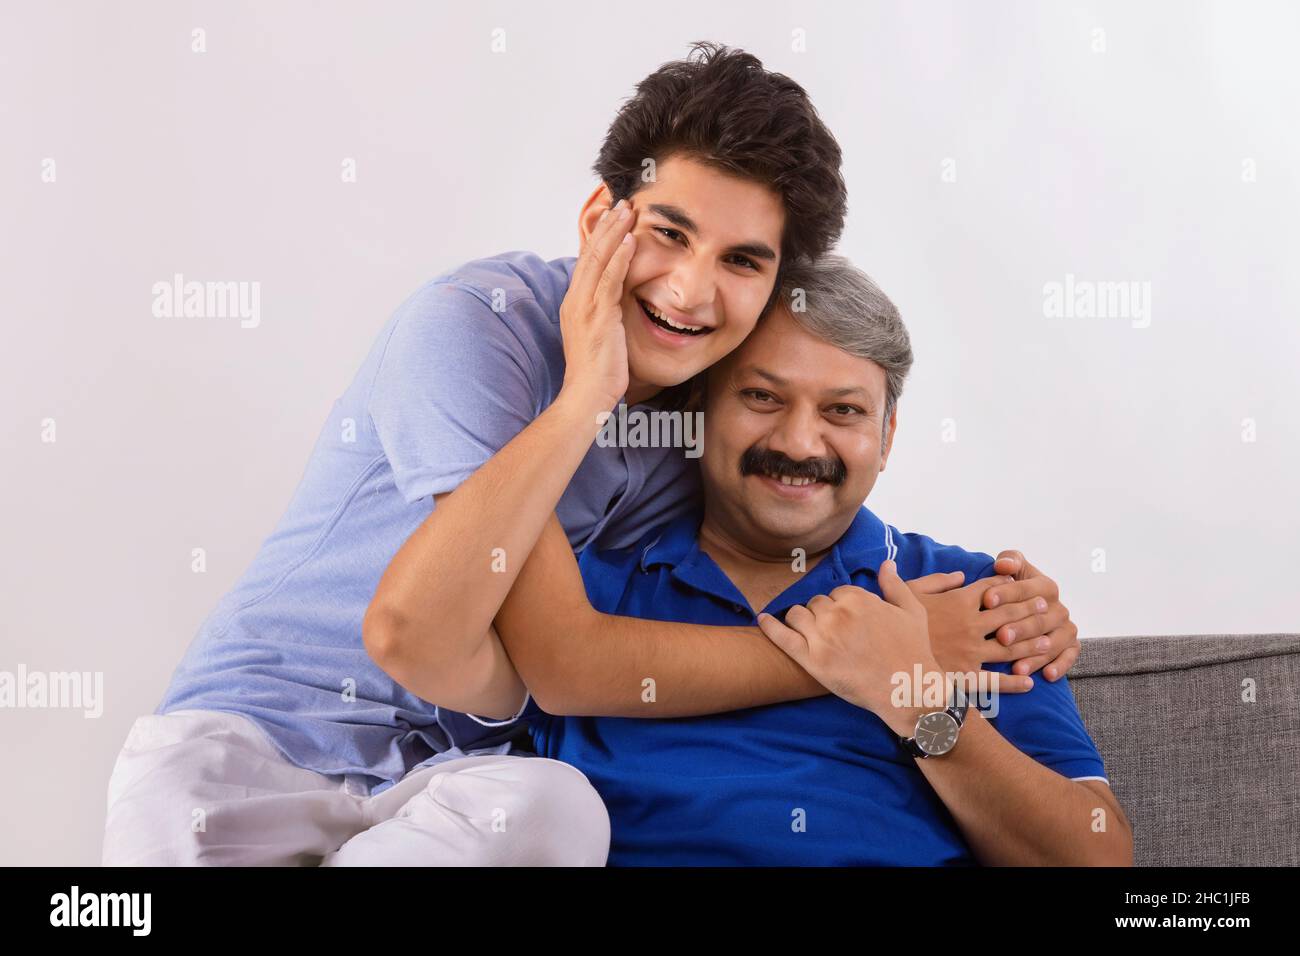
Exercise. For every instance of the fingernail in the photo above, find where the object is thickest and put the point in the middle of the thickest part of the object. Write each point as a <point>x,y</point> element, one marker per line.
<point>627,240</point>
<point>620,204</point>
<point>1050,672</point>
<point>603,216</point>
<point>993,600</point>
<point>1041,644</point>
<point>1011,636</point>
<point>1040,605</point>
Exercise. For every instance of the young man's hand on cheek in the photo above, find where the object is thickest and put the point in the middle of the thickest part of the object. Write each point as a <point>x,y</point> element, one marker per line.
<point>591,315</point>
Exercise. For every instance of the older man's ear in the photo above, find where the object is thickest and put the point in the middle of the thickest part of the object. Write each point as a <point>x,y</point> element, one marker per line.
<point>888,440</point>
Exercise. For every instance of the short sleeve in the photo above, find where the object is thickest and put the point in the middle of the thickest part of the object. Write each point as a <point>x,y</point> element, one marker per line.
<point>469,732</point>
<point>453,385</point>
<point>1044,723</point>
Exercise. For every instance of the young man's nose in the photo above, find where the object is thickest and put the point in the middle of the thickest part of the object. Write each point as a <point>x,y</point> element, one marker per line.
<point>692,283</point>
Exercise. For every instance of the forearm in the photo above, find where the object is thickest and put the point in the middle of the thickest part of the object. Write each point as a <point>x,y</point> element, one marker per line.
<point>611,666</point>
<point>577,661</point>
<point>1013,811</point>
<point>483,682</point>
<point>438,596</point>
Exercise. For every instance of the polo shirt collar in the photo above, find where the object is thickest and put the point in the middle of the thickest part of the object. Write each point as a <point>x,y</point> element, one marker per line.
<point>867,542</point>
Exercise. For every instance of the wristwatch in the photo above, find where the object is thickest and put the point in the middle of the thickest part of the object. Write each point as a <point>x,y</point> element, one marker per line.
<point>936,732</point>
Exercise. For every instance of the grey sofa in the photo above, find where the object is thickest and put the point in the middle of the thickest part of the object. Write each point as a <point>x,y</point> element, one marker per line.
<point>1205,778</point>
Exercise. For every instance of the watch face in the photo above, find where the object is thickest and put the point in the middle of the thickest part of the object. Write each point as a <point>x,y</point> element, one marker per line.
<point>936,733</point>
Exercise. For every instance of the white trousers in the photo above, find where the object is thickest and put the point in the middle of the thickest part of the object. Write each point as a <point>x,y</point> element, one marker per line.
<point>201,787</point>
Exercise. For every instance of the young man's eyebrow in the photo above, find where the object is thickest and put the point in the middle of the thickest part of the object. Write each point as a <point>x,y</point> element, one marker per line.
<point>678,217</point>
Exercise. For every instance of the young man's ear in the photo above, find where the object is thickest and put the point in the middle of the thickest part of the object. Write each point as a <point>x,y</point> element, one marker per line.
<point>600,200</point>
<point>888,442</point>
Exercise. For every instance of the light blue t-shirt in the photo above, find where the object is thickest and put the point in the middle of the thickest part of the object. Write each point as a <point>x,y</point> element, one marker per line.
<point>460,368</point>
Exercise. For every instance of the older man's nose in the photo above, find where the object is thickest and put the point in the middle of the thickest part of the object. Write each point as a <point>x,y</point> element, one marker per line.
<point>798,437</point>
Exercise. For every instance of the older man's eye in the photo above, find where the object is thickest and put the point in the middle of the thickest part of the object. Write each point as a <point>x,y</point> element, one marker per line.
<point>846,410</point>
<point>757,394</point>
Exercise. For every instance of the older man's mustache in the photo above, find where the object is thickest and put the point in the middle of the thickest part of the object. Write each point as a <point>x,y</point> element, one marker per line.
<point>763,461</point>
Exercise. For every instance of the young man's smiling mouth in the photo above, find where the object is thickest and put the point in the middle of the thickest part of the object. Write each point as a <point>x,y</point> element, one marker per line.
<point>662,320</point>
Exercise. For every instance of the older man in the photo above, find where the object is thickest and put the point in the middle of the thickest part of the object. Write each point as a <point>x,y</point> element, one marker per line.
<point>799,422</point>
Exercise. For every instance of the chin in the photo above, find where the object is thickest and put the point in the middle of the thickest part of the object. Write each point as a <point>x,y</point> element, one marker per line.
<point>654,368</point>
<point>795,527</point>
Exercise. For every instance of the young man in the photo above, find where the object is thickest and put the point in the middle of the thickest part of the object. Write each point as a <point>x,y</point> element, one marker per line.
<point>469,397</point>
<point>799,422</point>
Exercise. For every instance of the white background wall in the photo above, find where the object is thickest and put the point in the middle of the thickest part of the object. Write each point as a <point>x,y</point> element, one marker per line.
<point>1071,434</point>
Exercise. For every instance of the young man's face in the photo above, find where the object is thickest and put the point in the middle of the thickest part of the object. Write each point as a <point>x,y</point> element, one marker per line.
<point>707,253</point>
<point>787,403</point>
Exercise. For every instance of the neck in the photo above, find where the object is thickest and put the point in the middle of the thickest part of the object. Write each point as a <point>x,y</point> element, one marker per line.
<point>639,391</point>
<point>760,572</point>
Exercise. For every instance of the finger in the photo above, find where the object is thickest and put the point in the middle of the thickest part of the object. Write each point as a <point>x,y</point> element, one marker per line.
<point>937,583</point>
<point>1001,683</point>
<point>1029,665</point>
<point>787,638</point>
<point>895,591</point>
<point>1055,670</point>
<point>601,246</point>
<point>1004,593</point>
<point>1040,649</point>
<point>819,604</point>
<point>582,268</point>
<point>584,260</point>
<point>1022,621</point>
<point>1057,648</point>
<point>801,619</point>
<point>610,288</point>
<point>977,589</point>
<point>608,247</point>
<point>1009,562</point>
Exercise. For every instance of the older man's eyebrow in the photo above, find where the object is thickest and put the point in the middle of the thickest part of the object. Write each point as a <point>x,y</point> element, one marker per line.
<point>831,393</point>
<point>763,373</point>
<point>846,390</point>
<point>679,218</point>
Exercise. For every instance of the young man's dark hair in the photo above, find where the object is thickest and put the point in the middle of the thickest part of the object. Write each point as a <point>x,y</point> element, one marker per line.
<point>720,107</point>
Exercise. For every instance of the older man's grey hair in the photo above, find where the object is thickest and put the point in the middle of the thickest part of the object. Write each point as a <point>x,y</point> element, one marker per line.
<point>838,302</point>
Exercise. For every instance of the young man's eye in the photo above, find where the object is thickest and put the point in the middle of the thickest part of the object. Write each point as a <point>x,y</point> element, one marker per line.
<point>744,262</point>
<point>672,234</point>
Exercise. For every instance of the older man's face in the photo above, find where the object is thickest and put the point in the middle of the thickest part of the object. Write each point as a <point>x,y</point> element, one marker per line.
<point>792,438</point>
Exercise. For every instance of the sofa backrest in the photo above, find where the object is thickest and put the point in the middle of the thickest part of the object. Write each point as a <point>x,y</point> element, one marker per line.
<point>1200,736</point>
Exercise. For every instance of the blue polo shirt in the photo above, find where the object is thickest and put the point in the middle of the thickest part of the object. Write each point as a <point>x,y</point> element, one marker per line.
<point>813,782</point>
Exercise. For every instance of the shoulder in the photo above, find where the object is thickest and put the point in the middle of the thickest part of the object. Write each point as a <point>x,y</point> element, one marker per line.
<point>503,280</point>
<point>622,560</point>
<point>919,554</point>
<point>606,572</point>
<point>484,315</point>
